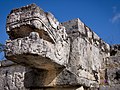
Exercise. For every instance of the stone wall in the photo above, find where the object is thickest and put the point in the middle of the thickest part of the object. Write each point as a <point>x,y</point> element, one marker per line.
<point>11,76</point>
<point>49,55</point>
<point>112,70</point>
<point>17,77</point>
<point>88,51</point>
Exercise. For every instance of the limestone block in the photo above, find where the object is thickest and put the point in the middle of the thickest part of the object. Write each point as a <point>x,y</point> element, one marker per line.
<point>115,50</point>
<point>89,33</point>
<point>22,21</point>
<point>16,77</point>
<point>113,62</point>
<point>74,26</point>
<point>37,52</point>
<point>87,59</point>
<point>112,73</point>
<point>12,76</point>
<point>107,87</point>
<point>113,70</point>
<point>56,78</point>
<point>113,76</point>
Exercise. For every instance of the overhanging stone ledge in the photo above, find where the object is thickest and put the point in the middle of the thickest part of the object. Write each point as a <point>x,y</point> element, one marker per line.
<point>37,52</point>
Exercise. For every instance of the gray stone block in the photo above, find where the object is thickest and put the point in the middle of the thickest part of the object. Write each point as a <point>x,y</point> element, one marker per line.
<point>37,52</point>
<point>12,76</point>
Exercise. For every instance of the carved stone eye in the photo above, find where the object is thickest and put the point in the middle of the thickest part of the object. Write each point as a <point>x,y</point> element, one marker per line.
<point>34,35</point>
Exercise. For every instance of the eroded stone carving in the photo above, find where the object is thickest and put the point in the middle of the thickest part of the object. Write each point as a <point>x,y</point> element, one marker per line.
<point>33,31</point>
<point>60,54</point>
<point>22,21</point>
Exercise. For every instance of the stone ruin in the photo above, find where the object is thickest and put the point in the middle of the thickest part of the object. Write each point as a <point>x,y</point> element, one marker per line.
<point>44,54</point>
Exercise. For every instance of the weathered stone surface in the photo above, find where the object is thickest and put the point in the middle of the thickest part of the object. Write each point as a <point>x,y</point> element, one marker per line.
<point>113,76</point>
<point>108,87</point>
<point>22,21</point>
<point>17,77</point>
<point>37,38</point>
<point>75,28</point>
<point>68,56</point>
<point>113,62</point>
<point>115,50</point>
<point>58,78</point>
<point>37,52</point>
<point>113,70</point>
<point>11,76</point>
<point>45,45</point>
<point>87,51</point>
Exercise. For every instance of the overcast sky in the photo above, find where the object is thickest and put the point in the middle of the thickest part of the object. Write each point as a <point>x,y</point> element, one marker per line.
<point>102,16</point>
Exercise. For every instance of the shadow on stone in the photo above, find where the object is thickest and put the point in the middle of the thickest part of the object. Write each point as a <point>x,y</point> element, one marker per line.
<point>38,78</point>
